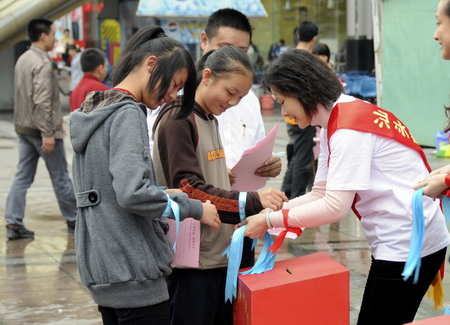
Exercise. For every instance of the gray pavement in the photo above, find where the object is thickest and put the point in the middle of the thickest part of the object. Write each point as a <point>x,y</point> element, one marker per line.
<point>39,281</point>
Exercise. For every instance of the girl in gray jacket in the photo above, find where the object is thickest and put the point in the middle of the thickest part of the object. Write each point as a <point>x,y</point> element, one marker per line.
<point>123,252</point>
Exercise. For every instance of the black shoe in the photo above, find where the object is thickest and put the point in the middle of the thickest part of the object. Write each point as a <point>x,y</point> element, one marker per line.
<point>70,227</point>
<point>18,232</point>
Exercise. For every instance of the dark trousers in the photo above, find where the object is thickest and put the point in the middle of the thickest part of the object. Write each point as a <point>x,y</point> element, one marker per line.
<point>149,315</point>
<point>389,300</point>
<point>300,172</point>
<point>197,297</point>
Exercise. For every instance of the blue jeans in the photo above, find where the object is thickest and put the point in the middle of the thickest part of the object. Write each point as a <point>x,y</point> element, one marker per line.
<point>29,153</point>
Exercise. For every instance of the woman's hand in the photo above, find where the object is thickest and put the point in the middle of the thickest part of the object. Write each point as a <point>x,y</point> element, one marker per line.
<point>210,216</point>
<point>433,185</point>
<point>443,170</point>
<point>272,198</point>
<point>256,226</point>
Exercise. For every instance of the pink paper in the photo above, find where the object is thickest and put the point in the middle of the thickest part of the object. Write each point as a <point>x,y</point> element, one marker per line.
<point>251,160</point>
<point>188,242</point>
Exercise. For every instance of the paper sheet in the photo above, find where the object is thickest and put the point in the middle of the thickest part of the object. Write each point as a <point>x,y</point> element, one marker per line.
<point>251,160</point>
<point>188,242</point>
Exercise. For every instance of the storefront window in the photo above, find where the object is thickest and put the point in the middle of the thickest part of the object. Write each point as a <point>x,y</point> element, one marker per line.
<point>286,15</point>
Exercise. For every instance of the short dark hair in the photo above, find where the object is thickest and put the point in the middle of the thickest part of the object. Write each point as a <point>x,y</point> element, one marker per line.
<point>307,30</point>
<point>322,49</point>
<point>300,74</point>
<point>227,59</point>
<point>91,58</point>
<point>227,17</point>
<point>73,47</point>
<point>38,26</point>
<point>172,56</point>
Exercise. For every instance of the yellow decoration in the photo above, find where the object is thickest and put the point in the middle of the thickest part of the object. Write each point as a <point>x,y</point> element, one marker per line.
<point>444,151</point>
<point>110,31</point>
<point>436,292</point>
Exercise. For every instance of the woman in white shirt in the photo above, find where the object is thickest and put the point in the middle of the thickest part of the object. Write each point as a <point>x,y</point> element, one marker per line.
<point>368,159</point>
<point>439,179</point>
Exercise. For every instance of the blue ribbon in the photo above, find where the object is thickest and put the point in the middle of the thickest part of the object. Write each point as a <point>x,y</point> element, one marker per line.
<point>446,208</point>
<point>242,203</point>
<point>447,310</point>
<point>265,261</point>
<point>234,254</point>
<point>413,262</point>
<point>173,206</point>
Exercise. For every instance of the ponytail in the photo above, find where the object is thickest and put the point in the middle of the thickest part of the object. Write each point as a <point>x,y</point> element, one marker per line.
<point>171,57</point>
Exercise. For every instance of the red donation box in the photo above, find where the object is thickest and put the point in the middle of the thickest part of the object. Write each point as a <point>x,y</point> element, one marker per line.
<point>311,289</point>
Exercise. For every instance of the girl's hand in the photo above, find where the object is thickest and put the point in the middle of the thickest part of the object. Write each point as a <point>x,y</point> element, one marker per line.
<point>256,226</point>
<point>272,198</point>
<point>210,216</point>
<point>434,185</point>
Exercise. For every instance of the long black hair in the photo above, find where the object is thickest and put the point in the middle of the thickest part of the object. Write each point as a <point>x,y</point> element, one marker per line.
<point>227,59</point>
<point>300,74</point>
<point>172,56</point>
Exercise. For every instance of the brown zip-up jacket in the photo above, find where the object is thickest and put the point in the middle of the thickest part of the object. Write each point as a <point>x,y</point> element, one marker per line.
<point>37,110</point>
<point>189,154</point>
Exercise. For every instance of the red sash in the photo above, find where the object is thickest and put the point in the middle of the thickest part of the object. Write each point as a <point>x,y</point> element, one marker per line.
<point>365,117</point>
